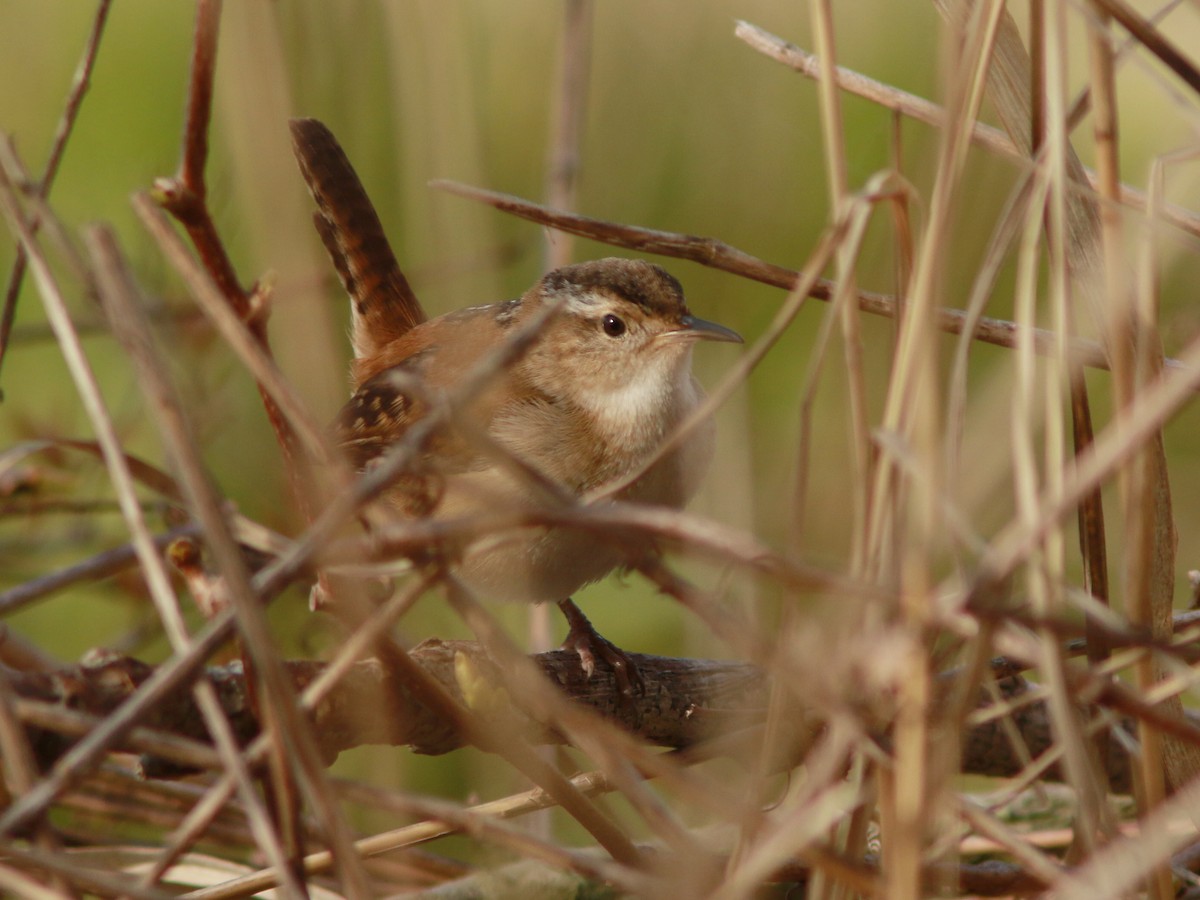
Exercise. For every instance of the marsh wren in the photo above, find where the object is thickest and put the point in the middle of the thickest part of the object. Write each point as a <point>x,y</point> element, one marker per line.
<point>606,381</point>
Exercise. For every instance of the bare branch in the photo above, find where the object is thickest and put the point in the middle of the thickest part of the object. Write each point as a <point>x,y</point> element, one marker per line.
<point>719,255</point>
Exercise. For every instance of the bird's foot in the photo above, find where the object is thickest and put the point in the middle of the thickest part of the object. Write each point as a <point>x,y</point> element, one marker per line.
<point>585,640</point>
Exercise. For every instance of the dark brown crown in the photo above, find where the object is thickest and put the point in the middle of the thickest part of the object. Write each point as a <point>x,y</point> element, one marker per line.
<point>651,287</point>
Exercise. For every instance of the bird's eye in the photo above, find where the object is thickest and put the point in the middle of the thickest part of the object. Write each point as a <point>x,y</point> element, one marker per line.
<point>613,326</point>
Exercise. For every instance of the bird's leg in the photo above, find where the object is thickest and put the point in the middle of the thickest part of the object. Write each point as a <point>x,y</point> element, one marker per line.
<point>585,640</point>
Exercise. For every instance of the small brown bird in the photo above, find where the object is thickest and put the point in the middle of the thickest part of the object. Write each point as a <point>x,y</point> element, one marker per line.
<point>607,380</point>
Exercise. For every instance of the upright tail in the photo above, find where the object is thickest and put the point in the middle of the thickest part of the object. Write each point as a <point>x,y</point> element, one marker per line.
<point>383,305</point>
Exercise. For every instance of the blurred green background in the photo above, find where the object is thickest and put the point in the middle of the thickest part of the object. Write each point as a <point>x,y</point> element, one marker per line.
<point>687,130</point>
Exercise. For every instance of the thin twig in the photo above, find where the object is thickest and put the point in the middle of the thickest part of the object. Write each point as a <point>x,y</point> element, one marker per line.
<point>134,333</point>
<point>239,335</point>
<point>639,523</point>
<point>19,765</point>
<point>66,124</point>
<point>185,195</point>
<point>103,565</point>
<point>719,255</point>
<point>35,800</point>
<point>86,878</point>
<point>39,333</point>
<point>411,835</point>
<point>922,110</point>
<point>200,94</point>
<point>1152,39</point>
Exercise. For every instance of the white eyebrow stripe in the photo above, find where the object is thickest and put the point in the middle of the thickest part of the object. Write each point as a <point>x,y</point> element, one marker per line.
<point>585,302</point>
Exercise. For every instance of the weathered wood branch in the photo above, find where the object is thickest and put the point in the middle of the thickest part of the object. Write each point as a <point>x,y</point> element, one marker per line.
<point>684,703</point>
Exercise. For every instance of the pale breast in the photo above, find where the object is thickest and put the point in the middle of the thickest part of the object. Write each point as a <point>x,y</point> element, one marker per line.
<point>538,563</point>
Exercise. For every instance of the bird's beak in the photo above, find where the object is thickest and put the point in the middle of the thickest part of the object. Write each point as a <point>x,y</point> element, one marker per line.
<point>703,330</point>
